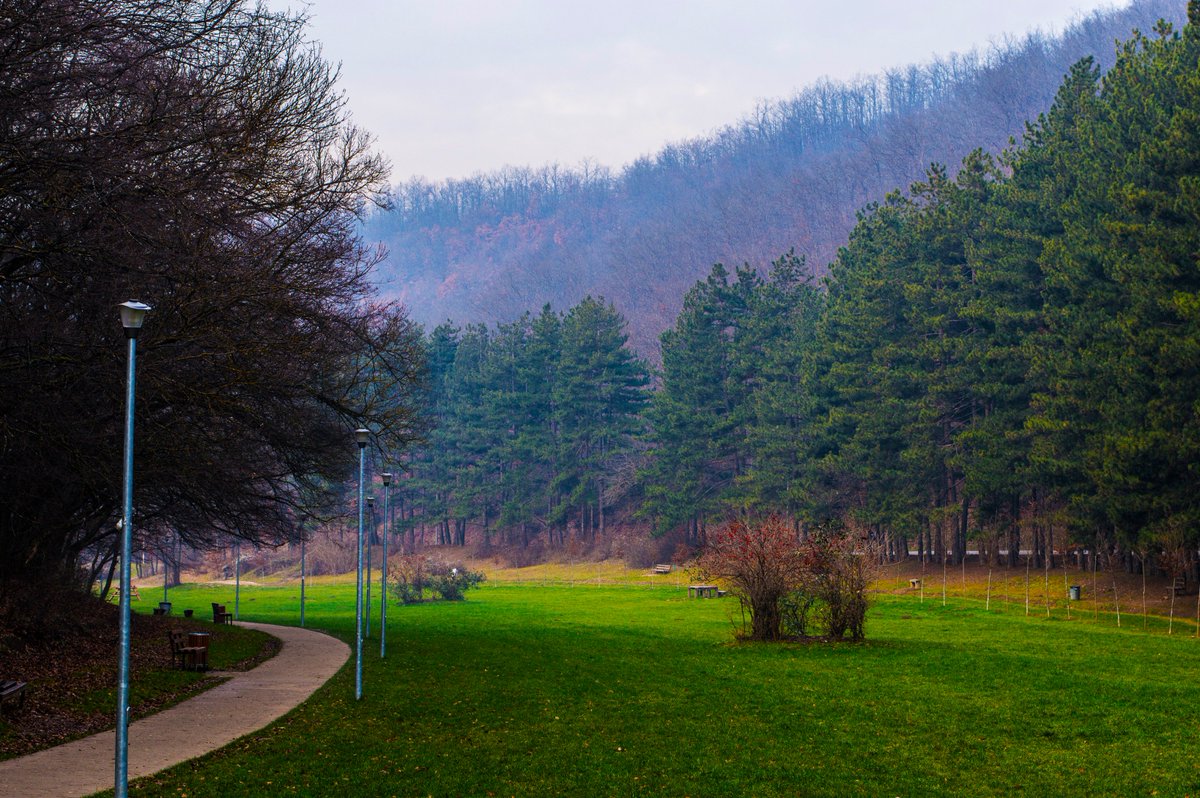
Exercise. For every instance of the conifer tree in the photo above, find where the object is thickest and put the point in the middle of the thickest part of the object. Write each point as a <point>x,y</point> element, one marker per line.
<point>598,397</point>
<point>700,408</point>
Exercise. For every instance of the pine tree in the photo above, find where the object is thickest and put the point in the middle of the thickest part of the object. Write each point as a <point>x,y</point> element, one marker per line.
<point>699,412</point>
<point>780,441</point>
<point>598,397</point>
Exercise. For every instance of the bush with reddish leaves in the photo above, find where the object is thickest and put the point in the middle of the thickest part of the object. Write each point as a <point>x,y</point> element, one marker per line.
<point>784,582</point>
<point>761,563</point>
<point>841,568</point>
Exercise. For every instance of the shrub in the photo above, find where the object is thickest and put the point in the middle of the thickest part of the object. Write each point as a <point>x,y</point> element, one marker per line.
<point>408,577</point>
<point>452,581</point>
<point>414,574</point>
<point>841,570</point>
<point>761,564</point>
<point>785,584</point>
<point>795,612</point>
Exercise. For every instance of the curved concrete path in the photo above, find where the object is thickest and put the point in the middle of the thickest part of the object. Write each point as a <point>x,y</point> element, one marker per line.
<point>243,704</point>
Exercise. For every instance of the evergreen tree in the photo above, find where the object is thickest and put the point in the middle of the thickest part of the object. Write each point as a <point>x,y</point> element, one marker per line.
<point>1124,282</point>
<point>598,397</point>
<point>700,408</point>
<point>780,336</point>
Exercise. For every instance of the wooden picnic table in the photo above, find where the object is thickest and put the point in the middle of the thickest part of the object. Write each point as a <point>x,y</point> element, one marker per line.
<point>703,591</point>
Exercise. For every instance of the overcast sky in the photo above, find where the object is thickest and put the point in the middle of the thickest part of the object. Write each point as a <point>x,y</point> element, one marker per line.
<point>454,87</point>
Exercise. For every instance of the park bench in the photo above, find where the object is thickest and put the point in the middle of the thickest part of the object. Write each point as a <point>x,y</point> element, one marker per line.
<point>219,614</point>
<point>192,658</point>
<point>662,569</point>
<point>915,582</point>
<point>12,692</point>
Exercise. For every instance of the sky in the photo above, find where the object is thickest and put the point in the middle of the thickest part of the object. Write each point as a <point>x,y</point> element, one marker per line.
<point>451,88</point>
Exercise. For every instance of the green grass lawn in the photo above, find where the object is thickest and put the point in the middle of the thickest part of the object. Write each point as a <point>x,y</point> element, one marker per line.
<point>630,690</point>
<point>231,647</point>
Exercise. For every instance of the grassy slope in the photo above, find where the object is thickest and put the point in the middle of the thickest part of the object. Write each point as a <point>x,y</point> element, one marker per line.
<point>618,690</point>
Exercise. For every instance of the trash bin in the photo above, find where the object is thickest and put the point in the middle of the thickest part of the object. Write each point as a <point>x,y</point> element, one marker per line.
<point>1073,592</point>
<point>165,606</point>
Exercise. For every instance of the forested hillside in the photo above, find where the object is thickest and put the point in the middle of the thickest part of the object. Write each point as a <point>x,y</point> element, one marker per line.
<point>791,175</point>
<point>1004,357</point>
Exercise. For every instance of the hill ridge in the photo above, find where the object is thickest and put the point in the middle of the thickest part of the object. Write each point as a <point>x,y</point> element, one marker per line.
<point>792,175</point>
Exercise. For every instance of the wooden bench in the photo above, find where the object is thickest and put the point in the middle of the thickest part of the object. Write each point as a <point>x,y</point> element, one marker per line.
<point>704,591</point>
<point>219,614</point>
<point>662,569</point>
<point>192,658</point>
<point>12,692</point>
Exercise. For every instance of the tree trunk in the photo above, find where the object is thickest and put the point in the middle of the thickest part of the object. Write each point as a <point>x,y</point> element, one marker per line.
<point>1028,560</point>
<point>939,544</point>
<point>1095,595</point>
<point>112,567</point>
<point>1145,607</point>
<point>1049,562</point>
<point>765,620</point>
<point>600,504</point>
<point>94,568</point>
<point>964,520</point>
<point>1014,534</point>
<point>1116,598</point>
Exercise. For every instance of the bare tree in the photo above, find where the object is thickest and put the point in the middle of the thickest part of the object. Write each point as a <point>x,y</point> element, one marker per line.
<point>196,155</point>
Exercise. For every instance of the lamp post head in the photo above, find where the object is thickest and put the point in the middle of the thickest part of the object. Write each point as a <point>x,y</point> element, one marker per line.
<point>387,478</point>
<point>371,501</point>
<point>132,315</point>
<point>360,435</point>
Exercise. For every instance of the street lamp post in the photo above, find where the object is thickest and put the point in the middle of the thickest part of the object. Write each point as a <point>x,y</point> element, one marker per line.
<point>132,315</point>
<point>166,573</point>
<point>360,436</point>
<point>387,530</point>
<point>370,539</point>
<point>303,552</point>
<point>237,579</point>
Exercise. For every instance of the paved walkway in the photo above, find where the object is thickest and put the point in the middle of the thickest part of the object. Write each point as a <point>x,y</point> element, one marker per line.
<point>245,703</point>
